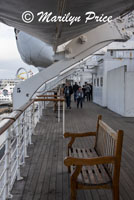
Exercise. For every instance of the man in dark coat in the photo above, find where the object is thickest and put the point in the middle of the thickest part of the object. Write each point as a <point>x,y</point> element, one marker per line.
<point>75,88</point>
<point>68,90</point>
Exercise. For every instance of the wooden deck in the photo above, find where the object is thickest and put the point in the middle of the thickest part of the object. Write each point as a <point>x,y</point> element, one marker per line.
<point>46,177</point>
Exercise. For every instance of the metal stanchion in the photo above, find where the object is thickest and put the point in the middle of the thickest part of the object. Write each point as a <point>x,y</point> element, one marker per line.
<point>58,111</point>
<point>63,117</point>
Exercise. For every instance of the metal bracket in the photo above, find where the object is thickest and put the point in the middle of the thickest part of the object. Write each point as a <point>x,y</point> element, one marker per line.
<point>120,29</point>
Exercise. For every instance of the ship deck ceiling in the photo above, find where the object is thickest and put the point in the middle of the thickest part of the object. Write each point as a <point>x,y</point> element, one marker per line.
<point>46,177</point>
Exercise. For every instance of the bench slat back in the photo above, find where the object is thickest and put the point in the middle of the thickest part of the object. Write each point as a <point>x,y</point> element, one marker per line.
<point>106,143</point>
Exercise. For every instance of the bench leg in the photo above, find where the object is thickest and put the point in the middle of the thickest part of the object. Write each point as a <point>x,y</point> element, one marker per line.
<point>116,193</point>
<point>69,169</point>
<point>73,190</point>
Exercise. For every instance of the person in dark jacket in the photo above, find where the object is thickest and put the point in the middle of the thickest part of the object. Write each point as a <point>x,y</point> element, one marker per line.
<point>84,92</point>
<point>75,88</point>
<point>68,90</point>
<point>91,92</point>
<point>79,96</point>
<point>88,90</point>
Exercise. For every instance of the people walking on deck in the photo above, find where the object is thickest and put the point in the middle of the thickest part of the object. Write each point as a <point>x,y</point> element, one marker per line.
<point>68,90</point>
<point>88,91</point>
<point>84,92</point>
<point>75,88</point>
<point>79,97</point>
<point>91,92</point>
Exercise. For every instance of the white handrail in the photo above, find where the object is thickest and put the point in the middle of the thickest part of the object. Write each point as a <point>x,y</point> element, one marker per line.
<point>16,135</point>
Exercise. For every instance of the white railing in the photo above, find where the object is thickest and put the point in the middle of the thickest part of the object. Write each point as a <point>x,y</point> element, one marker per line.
<point>15,136</point>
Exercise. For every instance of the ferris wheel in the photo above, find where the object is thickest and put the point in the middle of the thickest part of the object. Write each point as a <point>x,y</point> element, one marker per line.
<point>23,74</point>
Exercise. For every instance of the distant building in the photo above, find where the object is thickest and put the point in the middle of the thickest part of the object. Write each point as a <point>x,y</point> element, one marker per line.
<point>6,90</point>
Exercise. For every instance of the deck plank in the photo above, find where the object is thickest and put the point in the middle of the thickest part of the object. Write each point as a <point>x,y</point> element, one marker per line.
<point>46,177</point>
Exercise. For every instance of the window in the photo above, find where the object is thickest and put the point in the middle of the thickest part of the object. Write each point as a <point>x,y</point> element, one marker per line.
<point>97,82</point>
<point>111,52</point>
<point>119,54</point>
<point>101,81</point>
<point>94,81</point>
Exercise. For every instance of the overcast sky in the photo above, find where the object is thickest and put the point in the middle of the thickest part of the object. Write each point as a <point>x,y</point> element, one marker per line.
<point>10,59</point>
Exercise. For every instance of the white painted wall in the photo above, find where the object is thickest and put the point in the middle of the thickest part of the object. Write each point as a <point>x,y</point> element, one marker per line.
<point>120,91</point>
<point>115,63</point>
<point>98,91</point>
<point>116,90</point>
<point>85,76</point>
<point>129,94</point>
<point>98,95</point>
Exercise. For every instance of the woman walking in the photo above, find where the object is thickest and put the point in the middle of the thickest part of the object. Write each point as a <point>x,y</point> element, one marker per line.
<point>79,96</point>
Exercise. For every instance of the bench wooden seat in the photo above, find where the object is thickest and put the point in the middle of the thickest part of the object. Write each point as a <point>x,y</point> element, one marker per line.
<point>99,167</point>
<point>90,175</point>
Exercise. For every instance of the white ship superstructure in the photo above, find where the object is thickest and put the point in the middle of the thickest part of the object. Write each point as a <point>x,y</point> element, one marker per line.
<point>6,90</point>
<point>113,78</point>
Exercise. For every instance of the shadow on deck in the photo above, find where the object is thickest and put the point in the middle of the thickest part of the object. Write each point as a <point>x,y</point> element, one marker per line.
<point>46,177</point>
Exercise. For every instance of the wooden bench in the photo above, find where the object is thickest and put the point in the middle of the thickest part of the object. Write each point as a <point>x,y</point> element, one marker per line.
<point>98,167</point>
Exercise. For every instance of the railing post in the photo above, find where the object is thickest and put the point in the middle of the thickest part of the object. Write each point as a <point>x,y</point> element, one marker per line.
<point>63,117</point>
<point>38,118</point>
<point>7,167</point>
<point>25,135</point>
<point>29,119</point>
<point>10,162</point>
<point>35,113</point>
<point>39,110</point>
<point>34,116</point>
<point>58,93</point>
<point>58,110</point>
<point>18,150</point>
<point>44,104</point>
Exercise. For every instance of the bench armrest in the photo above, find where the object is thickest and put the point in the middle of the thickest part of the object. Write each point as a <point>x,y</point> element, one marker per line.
<point>89,161</point>
<point>66,135</point>
<point>75,135</point>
